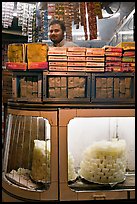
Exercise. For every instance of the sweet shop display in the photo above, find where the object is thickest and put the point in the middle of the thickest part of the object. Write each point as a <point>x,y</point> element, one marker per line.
<point>106,59</point>
<point>67,112</point>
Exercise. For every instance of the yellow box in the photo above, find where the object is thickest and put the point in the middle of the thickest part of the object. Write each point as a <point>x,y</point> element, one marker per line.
<point>126,44</point>
<point>16,52</point>
<point>36,52</point>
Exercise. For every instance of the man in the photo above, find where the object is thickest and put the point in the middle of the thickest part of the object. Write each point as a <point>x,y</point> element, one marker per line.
<point>56,34</point>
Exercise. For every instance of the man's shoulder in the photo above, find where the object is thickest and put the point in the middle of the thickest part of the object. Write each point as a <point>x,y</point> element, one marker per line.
<point>70,44</point>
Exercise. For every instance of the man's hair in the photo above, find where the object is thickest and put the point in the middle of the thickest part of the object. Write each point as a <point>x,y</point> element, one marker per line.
<point>61,23</point>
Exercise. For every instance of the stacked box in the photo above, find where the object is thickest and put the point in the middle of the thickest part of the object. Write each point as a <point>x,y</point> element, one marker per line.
<point>27,56</point>
<point>76,58</point>
<point>27,86</point>
<point>66,87</point>
<point>113,58</point>
<point>113,87</point>
<point>57,58</point>
<point>95,59</point>
<point>128,59</point>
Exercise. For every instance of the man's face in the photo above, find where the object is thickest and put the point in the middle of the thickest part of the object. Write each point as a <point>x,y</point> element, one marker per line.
<point>55,33</point>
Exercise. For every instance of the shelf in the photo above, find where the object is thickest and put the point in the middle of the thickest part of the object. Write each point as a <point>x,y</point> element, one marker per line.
<point>5,31</point>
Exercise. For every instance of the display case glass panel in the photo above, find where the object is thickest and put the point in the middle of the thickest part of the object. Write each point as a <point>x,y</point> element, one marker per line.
<point>30,162</point>
<point>95,149</point>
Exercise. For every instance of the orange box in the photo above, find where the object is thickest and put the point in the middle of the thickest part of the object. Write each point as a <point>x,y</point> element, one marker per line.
<point>76,64</point>
<point>76,53</point>
<point>79,58</point>
<point>95,52</point>
<point>57,49</point>
<point>94,64</point>
<point>77,69</point>
<point>57,68</point>
<point>58,63</point>
<point>57,58</point>
<point>71,49</point>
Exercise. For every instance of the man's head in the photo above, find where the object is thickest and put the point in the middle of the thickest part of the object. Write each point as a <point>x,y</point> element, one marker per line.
<point>56,31</point>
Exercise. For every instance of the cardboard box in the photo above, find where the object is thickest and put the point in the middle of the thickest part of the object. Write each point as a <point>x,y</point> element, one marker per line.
<point>16,52</point>
<point>37,52</point>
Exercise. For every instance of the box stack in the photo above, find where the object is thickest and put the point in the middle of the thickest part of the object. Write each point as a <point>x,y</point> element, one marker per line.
<point>104,87</point>
<point>27,86</point>
<point>57,58</point>
<point>113,58</point>
<point>27,56</point>
<point>76,58</point>
<point>95,59</point>
<point>57,87</point>
<point>128,59</point>
<point>66,86</point>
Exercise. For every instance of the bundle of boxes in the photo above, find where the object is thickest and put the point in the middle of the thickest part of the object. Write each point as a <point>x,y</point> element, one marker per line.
<point>37,56</point>
<point>27,56</point>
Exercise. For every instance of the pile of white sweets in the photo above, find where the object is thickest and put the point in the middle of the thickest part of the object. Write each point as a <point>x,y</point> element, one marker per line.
<point>104,162</point>
<point>40,170</point>
<point>71,170</point>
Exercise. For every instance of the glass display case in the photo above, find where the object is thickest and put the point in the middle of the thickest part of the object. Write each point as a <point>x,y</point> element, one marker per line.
<point>44,149</point>
<point>28,151</point>
<point>86,138</point>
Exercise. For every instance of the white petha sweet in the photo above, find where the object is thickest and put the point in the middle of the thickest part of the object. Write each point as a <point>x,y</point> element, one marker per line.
<point>71,170</point>
<point>40,170</point>
<point>104,162</point>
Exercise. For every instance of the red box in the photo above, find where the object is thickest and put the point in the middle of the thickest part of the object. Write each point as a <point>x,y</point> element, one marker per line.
<point>16,66</point>
<point>38,65</point>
